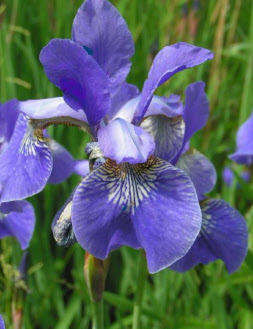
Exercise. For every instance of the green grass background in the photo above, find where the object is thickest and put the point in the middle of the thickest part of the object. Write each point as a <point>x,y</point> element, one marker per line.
<point>205,297</point>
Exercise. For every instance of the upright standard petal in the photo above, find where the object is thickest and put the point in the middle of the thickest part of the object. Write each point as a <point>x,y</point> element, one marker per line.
<point>17,219</point>
<point>2,326</point>
<point>169,60</point>
<point>26,164</point>
<point>196,109</point>
<point>195,113</point>
<point>99,28</point>
<point>223,235</point>
<point>244,141</point>
<point>200,170</point>
<point>151,205</point>
<point>84,84</point>
<point>124,142</point>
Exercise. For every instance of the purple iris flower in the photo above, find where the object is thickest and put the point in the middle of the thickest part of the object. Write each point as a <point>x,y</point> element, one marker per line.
<point>228,176</point>
<point>29,158</point>
<point>17,218</point>
<point>2,326</point>
<point>137,197</point>
<point>244,141</point>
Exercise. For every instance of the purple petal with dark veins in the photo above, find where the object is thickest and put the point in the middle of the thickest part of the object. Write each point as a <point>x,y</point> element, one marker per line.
<point>167,132</point>
<point>84,84</point>
<point>244,141</point>
<point>223,235</point>
<point>124,142</point>
<point>17,219</point>
<point>169,60</point>
<point>152,206</point>
<point>26,164</point>
<point>99,27</point>
<point>200,170</point>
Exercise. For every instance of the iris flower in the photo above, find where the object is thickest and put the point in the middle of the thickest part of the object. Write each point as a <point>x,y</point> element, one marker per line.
<point>17,218</point>
<point>244,141</point>
<point>32,158</point>
<point>228,176</point>
<point>137,197</point>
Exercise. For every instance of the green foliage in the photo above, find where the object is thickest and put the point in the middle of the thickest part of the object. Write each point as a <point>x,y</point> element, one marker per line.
<point>205,297</point>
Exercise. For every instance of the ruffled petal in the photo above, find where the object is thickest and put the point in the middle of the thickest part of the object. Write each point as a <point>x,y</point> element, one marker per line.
<point>50,108</point>
<point>124,142</point>
<point>223,235</point>
<point>26,164</point>
<point>17,219</point>
<point>100,29</point>
<point>244,141</point>
<point>168,134</point>
<point>152,205</point>
<point>200,170</point>
<point>84,84</point>
<point>169,61</point>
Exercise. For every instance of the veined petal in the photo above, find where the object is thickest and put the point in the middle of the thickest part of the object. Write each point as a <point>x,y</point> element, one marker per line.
<point>168,134</point>
<point>2,326</point>
<point>244,141</point>
<point>26,164</point>
<point>84,84</point>
<point>151,205</point>
<point>99,27</point>
<point>223,235</point>
<point>50,108</point>
<point>169,60</point>
<point>200,170</point>
<point>17,219</point>
<point>124,142</point>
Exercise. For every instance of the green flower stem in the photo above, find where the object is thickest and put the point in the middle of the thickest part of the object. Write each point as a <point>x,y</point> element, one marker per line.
<point>142,274</point>
<point>97,315</point>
